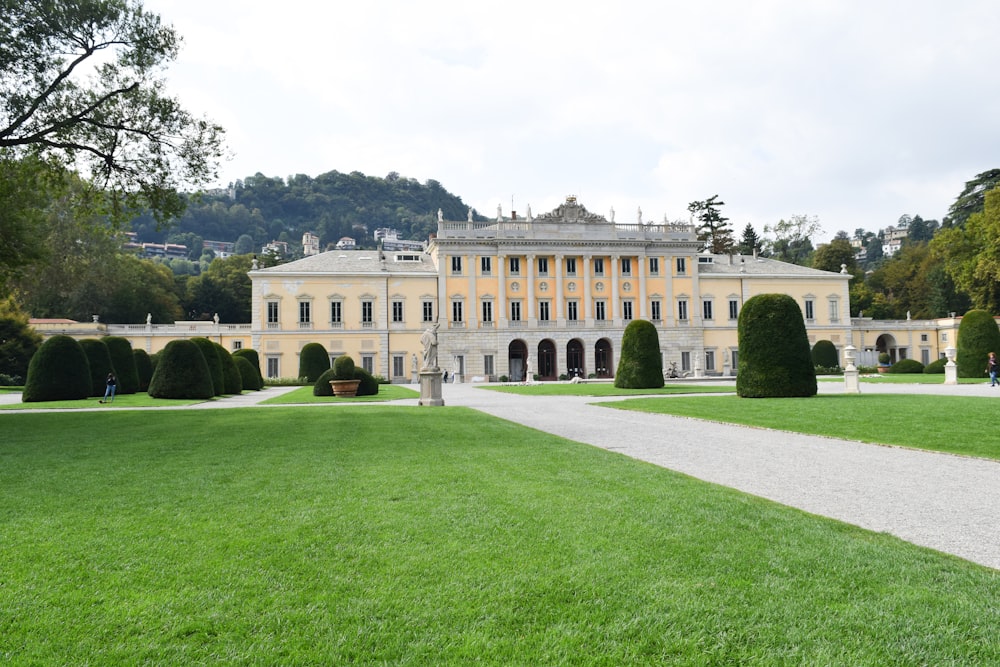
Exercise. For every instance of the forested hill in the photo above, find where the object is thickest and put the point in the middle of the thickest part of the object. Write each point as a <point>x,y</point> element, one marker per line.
<point>332,205</point>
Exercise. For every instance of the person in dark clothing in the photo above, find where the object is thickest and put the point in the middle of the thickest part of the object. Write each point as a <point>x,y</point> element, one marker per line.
<point>109,392</point>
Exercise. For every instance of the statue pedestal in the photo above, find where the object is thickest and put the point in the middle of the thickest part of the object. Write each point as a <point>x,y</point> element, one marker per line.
<point>951,373</point>
<point>430,387</point>
<point>851,384</point>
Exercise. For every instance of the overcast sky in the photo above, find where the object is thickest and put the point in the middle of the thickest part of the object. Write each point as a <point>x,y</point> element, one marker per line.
<point>855,112</point>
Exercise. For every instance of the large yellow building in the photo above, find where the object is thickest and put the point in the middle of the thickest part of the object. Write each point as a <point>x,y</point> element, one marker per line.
<point>549,295</point>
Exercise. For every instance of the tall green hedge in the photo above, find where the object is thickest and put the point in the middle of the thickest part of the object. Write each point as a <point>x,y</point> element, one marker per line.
<point>775,358</point>
<point>207,348</point>
<point>978,335</point>
<point>251,355</point>
<point>124,362</point>
<point>182,372</point>
<point>249,376</point>
<point>99,359</point>
<point>641,364</point>
<point>58,371</point>
<point>314,360</point>
<point>233,382</point>
<point>144,367</point>
<point>824,354</point>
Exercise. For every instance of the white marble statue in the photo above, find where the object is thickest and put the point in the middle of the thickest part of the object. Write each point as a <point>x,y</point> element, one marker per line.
<point>429,339</point>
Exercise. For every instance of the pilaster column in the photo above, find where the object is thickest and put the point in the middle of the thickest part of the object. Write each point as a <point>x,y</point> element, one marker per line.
<point>501,317</point>
<point>615,299</point>
<point>559,315</point>
<point>473,315</point>
<point>529,286</point>
<point>587,306</point>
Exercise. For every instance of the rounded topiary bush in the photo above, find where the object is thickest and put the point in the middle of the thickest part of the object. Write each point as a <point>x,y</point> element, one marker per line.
<point>144,367</point>
<point>99,359</point>
<point>343,368</point>
<point>368,385</point>
<point>314,360</point>
<point>230,374</point>
<point>58,371</point>
<point>248,374</point>
<point>907,366</point>
<point>182,372</point>
<point>775,358</point>
<point>978,335</point>
<point>124,364</point>
<point>251,355</point>
<point>207,348</point>
<point>641,364</point>
<point>824,354</point>
<point>322,385</point>
<point>936,366</point>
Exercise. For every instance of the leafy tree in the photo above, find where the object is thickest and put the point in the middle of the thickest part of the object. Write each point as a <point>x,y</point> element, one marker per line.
<point>831,256</point>
<point>750,242</point>
<point>971,254</point>
<point>775,358</point>
<point>640,365</point>
<point>972,198</point>
<point>244,245</point>
<point>81,84</point>
<point>23,188</point>
<point>181,372</point>
<point>978,335</point>
<point>18,341</point>
<point>713,228</point>
<point>792,239</point>
<point>921,230</point>
<point>223,288</point>
<point>59,371</point>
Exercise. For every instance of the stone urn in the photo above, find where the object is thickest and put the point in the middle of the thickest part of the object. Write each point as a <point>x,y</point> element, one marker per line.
<point>345,388</point>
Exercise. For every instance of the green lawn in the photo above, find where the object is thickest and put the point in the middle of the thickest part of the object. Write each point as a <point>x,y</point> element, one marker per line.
<point>942,423</point>
<point>386,392</point>
<point>605,389</point>
<point>414,536</point>
<point>139,400</point>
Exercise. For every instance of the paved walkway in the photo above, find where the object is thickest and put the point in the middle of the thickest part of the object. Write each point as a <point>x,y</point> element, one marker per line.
<point>945,502</point>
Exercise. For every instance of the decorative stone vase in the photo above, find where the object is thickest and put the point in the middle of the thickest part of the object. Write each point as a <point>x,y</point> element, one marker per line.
<point>345,388</point>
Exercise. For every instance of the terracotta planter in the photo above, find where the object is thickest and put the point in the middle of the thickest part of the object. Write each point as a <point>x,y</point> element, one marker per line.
<point>883,369</point>
<point>345,388</point>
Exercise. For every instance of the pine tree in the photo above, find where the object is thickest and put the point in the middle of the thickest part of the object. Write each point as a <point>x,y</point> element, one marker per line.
<point>750,242</point>
<point>713,228</point>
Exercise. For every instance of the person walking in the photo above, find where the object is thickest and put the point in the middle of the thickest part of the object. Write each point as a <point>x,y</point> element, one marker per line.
<point>109,392</point>
<point>992,366</point>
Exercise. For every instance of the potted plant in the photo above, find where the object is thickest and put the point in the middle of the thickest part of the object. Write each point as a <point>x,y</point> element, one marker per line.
<point>343,382</point>
<point>883,362</point>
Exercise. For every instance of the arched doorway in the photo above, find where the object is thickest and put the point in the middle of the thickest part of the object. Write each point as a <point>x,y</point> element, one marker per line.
<point>575,362</point>
<point>603,359</point>
<point>517,356</point>
<point>547,360</point>
<point>887,343</point>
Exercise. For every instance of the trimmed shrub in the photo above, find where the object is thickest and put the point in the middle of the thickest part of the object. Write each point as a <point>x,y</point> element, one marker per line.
<point>322,386</point>
<point>182,372</point>
<point>824,354</point>
<point>144,367</point>
<point>250,355</point>
<point>248,374</point>
<point>207,348</point>
<point>123,362</point>
<point>18,341</point>
<point>230,374</point>
<point>641,364</point>
<point>59,371</point>
<point>936,366</point>
<point>99,359</point>
<point>978,335</point>
<point>907,366</point>
<point>343,368</point>
<point>368,385</point>
<point>314,360</point>
<point>775,358</point>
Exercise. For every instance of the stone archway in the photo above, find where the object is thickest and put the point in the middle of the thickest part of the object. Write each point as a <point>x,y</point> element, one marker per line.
<point>517,358</point>
<point>887,343</point>
<point>547,368</point>
<point>604,359</point>
<point>576,362</point>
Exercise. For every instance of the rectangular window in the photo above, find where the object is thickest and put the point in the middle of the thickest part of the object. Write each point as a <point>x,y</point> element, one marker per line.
<point>366,312</point>
<point>398,365</point>
<point>681,266</point>
<point>709,360</point>
<point>626,266</point>
<point>654,266</point>
<point>488,368</point>
<point>734,309</point>
<point>515,311</point>
<point>543,311</point>
<point>397,311</point>
<point>456,265</point>
<point>706,310</point>
<point>543,266</point>
<point>428,310</point>
<point>599,266</point>
<point>626,310</point>
<point>572,313</point>
<point>571,266</point>
<point>486,265</point>
<point>272,314</point>
<point>368,363</point>
<point>810,310</point>
<point>456,312</point>
<point>834,310</point>
<point>272,367</point>
<point>925,357</point>
<point>599,307</point>
<point>654,310</point>
<point>923,338</point>
<point>515,266</point>
<point>686,361</point>
<point>336,312</point>
<point>682,309</point>
<point>487,311</point>
<point>238,345</point>
<point>305,312</point>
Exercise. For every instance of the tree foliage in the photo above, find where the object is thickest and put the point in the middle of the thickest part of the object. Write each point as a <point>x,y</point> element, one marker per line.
<point>775,358</point>
<point>978,335</point>
<point>82,84</point>
<point>713,228</point>
<point>791,240</point>
<point>640,365</point>
<point>972,199</point>
<point>971,254</point>
<point>835,254</point>
<point>750,242</point>
<point>18,341</point>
